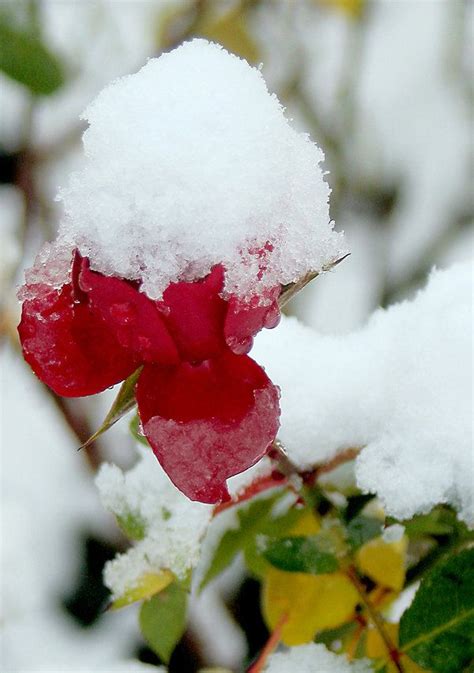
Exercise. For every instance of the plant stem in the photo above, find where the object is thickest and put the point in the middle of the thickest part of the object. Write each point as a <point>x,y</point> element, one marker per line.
<point>271,644</point>
<point>375,618</point>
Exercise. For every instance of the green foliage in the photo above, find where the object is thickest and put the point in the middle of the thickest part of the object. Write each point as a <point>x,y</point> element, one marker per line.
<point>132,525</point>
<point>437,630</point>
<point>361,529</point>
<point>25,58</point>
<point>300,554</point>
<point>135,431</point>
<point>254,519</point>
<point>355,505</point>
<point>124,401</point>
<point>163,620</point>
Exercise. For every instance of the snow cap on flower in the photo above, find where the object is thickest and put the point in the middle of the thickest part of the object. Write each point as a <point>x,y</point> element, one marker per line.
<point>189,163</point>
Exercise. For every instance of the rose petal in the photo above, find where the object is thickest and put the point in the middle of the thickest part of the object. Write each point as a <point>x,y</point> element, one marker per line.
<point>245,319</point>
<point>68,346</point>
<point>208,422</point>
<point>130,314</point>
<point>195,316</point>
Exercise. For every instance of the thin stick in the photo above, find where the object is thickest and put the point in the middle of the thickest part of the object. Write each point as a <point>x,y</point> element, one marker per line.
<point>375,618</point>
<point>270,645</point>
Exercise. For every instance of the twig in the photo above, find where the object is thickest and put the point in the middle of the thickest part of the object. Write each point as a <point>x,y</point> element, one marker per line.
<point>270,645</point>
<point>376,619</point>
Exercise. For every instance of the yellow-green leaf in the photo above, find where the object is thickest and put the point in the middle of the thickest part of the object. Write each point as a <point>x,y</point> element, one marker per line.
<point>163,620</point>
<point>147,586</point>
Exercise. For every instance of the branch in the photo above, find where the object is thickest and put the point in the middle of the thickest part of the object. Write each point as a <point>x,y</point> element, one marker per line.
<point>376,619</point>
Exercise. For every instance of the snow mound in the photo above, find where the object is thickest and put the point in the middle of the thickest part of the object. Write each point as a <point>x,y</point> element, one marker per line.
<point>313,659</point>
<point>400,389</point>
<point>173,526</point>
<point>191,162</point>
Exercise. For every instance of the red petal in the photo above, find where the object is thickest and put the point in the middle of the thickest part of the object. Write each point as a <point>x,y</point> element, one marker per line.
<point>195,316</point>
<point>208,422</point>
<point>68,346</point>
<point>245,319</point>
<point>130,315</point>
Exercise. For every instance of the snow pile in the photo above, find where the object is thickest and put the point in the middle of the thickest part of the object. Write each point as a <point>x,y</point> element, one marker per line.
<point>400,387</point>
<point>191,162</point>
<point>313,659</point>
<point>48,502</point>
<point>173,525</point>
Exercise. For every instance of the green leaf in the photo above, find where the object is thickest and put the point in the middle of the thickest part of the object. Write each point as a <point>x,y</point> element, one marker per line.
<point>362,529</point>
<point>26,59</point>
<point>355,505</point>
<point>135,431</point>
<point>132,525</point>
<point>163,620</point>
<point>124,401</point>
<point>437,630</point>
<point>300,554</point>
<point>273,527</point>
<point>254,518</point>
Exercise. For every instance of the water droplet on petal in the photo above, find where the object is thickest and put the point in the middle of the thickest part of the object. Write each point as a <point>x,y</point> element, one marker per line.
<point>240,346</point>
<point>272,317</point>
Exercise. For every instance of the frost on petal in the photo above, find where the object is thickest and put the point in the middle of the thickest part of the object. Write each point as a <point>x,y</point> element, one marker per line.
<point>69,347</point>
<point>400,389</point>
<point>173,525</point>
<point>129,314</point>
<point>208,422</point>
<point>195,315</point>
<point>189,163</point>
<point>313,659</point>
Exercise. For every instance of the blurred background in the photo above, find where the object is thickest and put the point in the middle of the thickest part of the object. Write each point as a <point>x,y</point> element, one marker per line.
<point>385,87</point>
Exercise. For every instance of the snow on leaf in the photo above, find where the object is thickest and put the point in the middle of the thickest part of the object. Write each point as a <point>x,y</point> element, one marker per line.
<point>147,586</point>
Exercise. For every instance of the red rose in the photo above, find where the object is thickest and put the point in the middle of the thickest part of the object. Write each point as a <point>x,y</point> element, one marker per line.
<point>207,409</point>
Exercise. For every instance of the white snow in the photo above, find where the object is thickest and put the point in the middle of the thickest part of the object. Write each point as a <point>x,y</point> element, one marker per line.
<point>191,162</point>
<point>313,659</point>
<point>48,499</point>
<point>174,525</point>
<point>399,389</point>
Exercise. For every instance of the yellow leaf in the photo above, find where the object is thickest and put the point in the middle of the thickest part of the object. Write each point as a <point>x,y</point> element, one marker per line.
<point>308,524</point>
<point>311,603</point>
<point>147,586</point>
<point>230,30</point>
<point>351,7</point>
<point>384,562</point>
<point>375,648</point>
